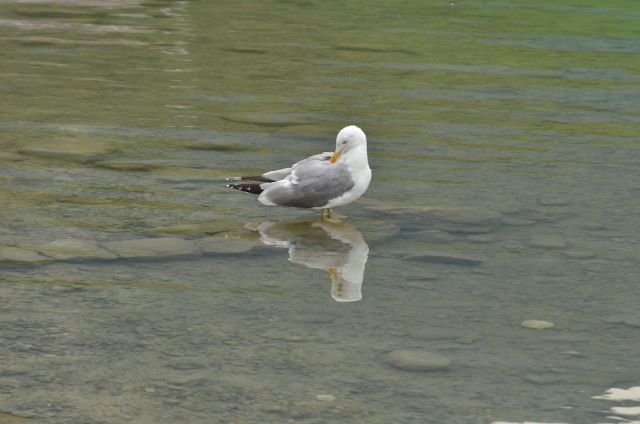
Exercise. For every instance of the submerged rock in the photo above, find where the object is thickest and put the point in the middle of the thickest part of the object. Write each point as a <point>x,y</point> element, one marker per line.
<point>632,320</point>
<point>417,360</point>
<point>73,249</point>
<point>214,227</point>
<point>536,324</point>
<point>213,245</point>
<point>67,148</point>
<point>153,247</point>
<point>18,255</point>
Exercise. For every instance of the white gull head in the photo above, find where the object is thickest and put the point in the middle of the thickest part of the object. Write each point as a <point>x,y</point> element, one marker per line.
<point>350,137</point>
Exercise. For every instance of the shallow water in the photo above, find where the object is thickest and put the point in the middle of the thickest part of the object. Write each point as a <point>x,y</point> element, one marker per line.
<point>503,139</point>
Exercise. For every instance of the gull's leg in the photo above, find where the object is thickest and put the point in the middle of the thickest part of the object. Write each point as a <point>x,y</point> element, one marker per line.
<point>329,213</point>
<point>322,214</point>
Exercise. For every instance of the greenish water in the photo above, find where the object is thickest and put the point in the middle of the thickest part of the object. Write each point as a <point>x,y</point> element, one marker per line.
<point>135,287</point>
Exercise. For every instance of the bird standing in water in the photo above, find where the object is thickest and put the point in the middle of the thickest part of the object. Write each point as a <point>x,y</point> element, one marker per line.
<point>322,181</point>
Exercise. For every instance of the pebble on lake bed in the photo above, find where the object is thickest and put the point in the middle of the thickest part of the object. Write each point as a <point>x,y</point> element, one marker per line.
<point>219,245</point>
<point>416,360</point>
<point>325,398</point>
<point>536,324</point>
<point>198,228</point>
<point>72,249</point>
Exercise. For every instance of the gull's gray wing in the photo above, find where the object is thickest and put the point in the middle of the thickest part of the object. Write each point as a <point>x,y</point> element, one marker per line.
<point>311,184</point>
<point>280,174</point>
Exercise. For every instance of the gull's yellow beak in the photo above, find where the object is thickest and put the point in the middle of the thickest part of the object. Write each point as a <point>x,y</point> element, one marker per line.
<point>335,156</point>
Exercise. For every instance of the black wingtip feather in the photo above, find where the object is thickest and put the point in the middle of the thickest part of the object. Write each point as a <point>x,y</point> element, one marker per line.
<point>257,178</point>
<point>248,186</point>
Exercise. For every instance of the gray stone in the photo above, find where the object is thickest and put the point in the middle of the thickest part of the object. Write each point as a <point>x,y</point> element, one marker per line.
<point>417,360</point>
<point>536,324</point>
<point>153,247</point>
<point>217,245</point>
<point>74,249</point>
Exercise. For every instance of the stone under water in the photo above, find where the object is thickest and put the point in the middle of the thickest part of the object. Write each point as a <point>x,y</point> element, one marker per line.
<point>417,360</point>
<point>160,247</point>
<point>536,324</point>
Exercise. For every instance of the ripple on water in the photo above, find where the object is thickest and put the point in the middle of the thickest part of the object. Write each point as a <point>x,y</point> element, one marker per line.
<point>547,241</point>
<point>441,257</point>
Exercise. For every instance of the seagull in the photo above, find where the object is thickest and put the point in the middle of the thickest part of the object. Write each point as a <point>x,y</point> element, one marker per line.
<point>321,181</point>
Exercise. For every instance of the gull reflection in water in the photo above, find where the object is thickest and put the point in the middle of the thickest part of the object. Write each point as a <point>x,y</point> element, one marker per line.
<point>335,247</point>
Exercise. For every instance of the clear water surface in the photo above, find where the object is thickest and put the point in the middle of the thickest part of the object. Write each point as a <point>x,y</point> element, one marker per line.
<point>503,138</point>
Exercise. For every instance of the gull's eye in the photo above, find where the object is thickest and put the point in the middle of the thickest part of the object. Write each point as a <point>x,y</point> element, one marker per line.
<point>344,142</point>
